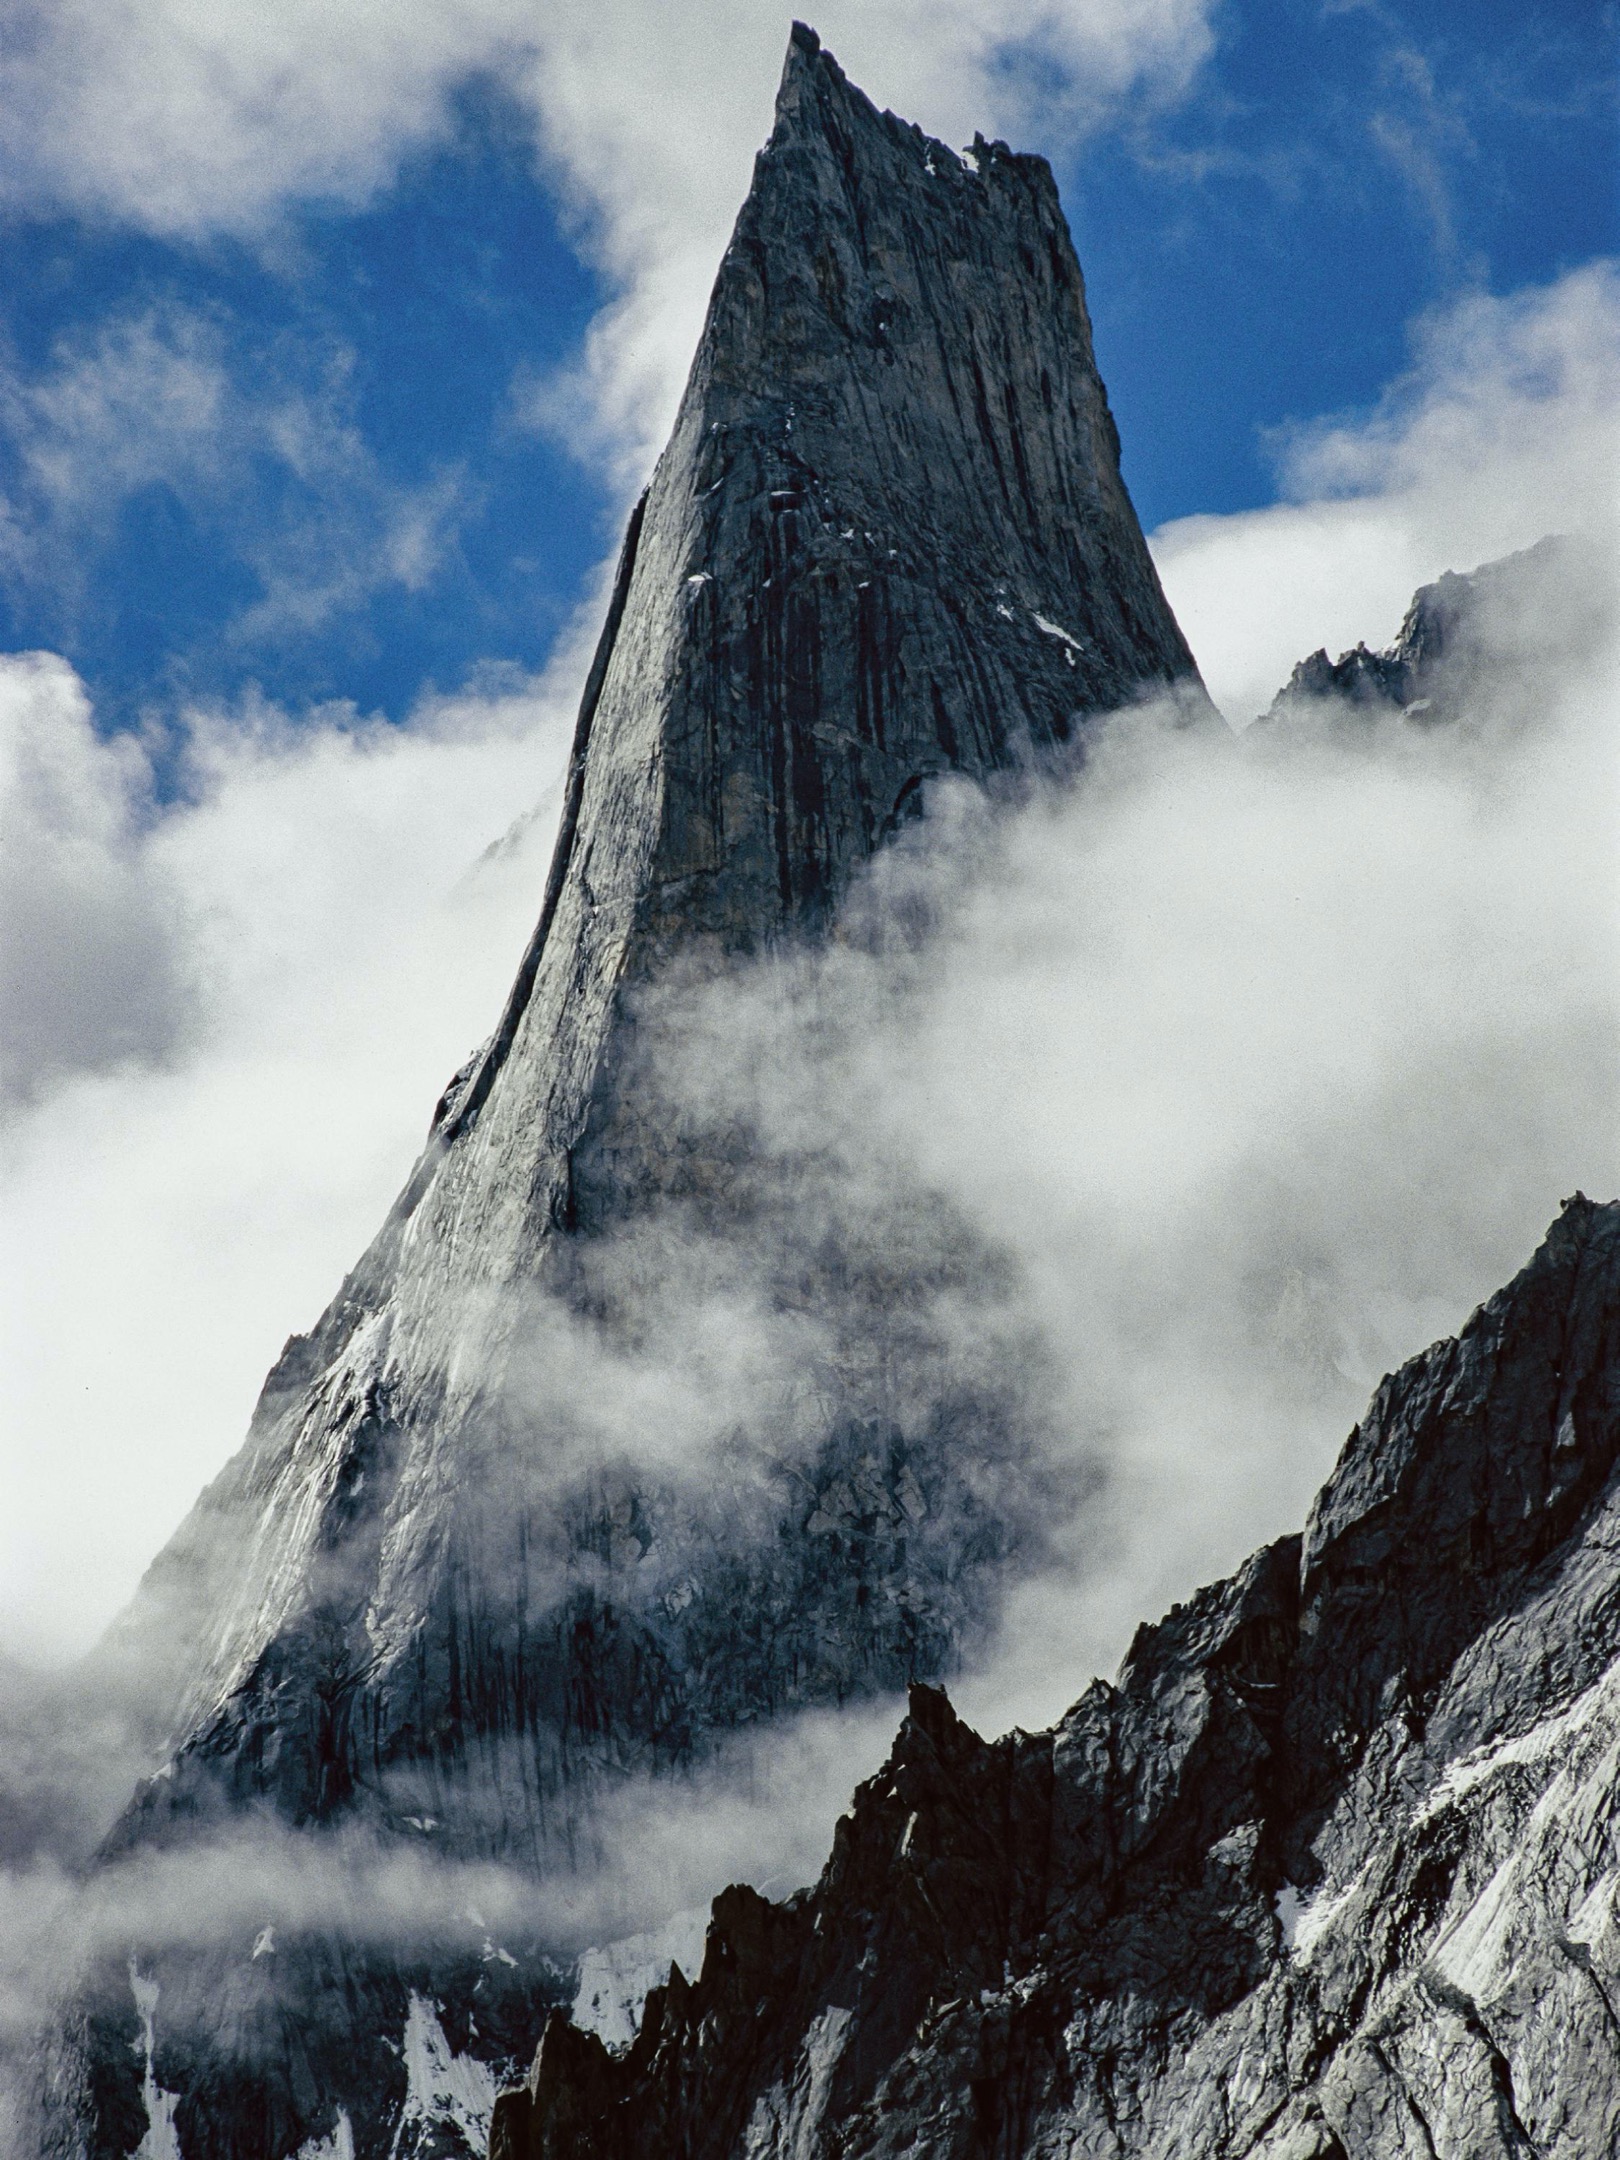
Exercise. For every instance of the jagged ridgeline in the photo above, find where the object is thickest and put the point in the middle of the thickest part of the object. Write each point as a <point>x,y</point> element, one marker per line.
<point>500,1536</point>
<point>1329,1873</point>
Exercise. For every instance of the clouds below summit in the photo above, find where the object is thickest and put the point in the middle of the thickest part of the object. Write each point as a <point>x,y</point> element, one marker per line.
<point>231,1013</point>
<point>1259,1063</point>
<point>1505,427</point>
<point>1263,1061</point>
<point>227,1018</point>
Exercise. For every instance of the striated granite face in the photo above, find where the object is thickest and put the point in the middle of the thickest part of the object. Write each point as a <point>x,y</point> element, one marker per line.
<point>430,1598</point>
<point>888,540</point>
<point>1331,1872</point>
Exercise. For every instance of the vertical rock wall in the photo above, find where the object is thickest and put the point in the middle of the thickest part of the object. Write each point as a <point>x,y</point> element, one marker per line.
<point>888,541</point>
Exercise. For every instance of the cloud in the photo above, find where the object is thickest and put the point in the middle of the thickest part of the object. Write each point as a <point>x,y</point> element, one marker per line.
<point>1505,427</point>
<point>190,120</point>
<point>1422,135</point>
<point>91,974</point>
<point>260,1911</point>
<point>279,475</point>
<point>1259,1064</point>
<point>143,400</point>
<point>1325,1043</point>
<point>234,1012</point>
<point>651,1846</point>
<point>227,1019</point>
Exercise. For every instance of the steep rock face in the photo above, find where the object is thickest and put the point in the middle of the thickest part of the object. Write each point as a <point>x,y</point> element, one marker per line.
<point>888,540</point>
<point>1330,1873</point>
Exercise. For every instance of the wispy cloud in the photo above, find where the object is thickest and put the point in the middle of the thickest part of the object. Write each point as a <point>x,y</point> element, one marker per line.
<point>279,474</point>
<point>1423,136</point>
<point>1418,128</point>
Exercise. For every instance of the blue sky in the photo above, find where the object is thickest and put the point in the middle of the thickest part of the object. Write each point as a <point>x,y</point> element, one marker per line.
<point>295,448</point>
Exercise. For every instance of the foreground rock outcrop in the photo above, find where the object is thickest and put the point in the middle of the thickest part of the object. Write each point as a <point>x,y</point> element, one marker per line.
<point>1330,1872</point>
<point>441,1601</point>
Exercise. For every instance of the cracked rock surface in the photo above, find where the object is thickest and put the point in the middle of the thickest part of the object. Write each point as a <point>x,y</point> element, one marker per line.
<point>888,541</point>
<point>1330,1872</point>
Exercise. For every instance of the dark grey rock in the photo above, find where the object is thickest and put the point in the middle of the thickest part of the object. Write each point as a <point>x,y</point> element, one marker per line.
<point>888,541</point>
<point>894,463</point>
<point>1329,1873</point>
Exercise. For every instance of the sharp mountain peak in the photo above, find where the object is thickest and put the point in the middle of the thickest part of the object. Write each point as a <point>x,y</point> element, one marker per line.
<point>432,1598</point>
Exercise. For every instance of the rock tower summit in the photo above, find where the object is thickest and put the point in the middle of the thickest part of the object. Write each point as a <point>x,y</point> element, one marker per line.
<point>888,540</point>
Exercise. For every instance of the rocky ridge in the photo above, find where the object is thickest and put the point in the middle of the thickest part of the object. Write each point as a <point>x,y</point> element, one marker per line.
<point>1469,643</point>
<point>1329,1872</point>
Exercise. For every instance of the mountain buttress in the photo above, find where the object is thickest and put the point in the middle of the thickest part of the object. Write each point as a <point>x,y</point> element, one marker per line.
<point>888,541</point>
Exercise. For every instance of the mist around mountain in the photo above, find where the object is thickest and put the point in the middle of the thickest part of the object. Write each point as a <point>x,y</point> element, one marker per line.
<point>1327,1873</point>
<point>1128,1113</point>
<point>1211,1320</point>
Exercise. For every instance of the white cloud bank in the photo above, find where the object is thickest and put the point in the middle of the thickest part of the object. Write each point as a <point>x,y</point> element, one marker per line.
<point>1262,1061</point>
<point>1324,1039</point>
<point>226,1022</point>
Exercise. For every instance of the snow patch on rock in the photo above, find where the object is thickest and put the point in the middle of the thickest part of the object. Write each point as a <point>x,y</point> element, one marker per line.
<point>1554,1736</point>
<point>1066,638</point>
<point>162,2139</point>
<point>616,1979</point>
<point>443,2090</point>
<point>339,2145</point>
